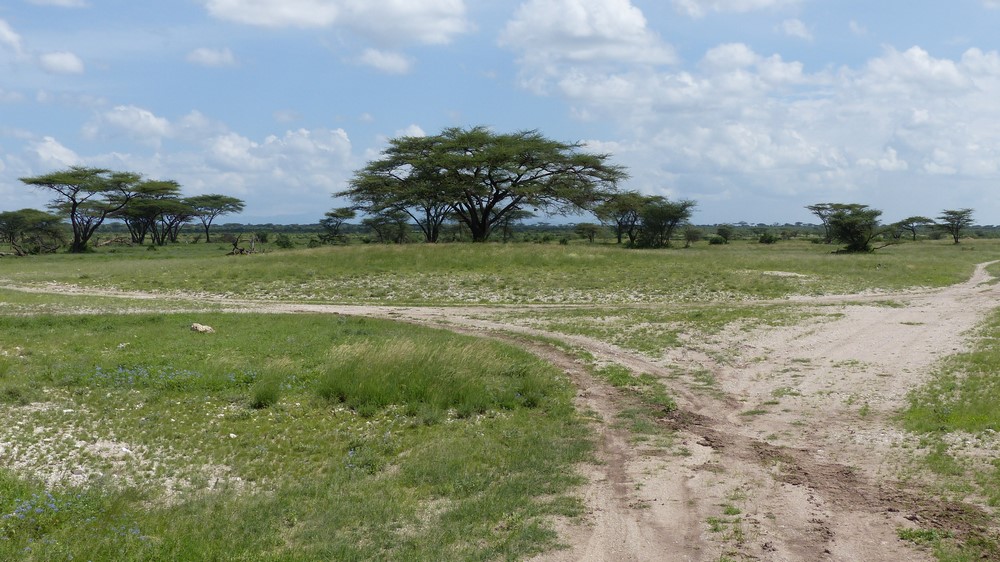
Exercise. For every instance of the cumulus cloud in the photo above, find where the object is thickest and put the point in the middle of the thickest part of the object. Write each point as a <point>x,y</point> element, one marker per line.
<point>211,57</point>
<point>700,8</point>
<point>61,62</point>
<point>739,120</point>
<point>135,122</point>
<point>584,31</point>
<point>391,21</point>
<point>386,61</point>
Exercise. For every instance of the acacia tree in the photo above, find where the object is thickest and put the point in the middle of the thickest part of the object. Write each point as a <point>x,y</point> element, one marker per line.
<point>912,224</point>
<point>479,177</point>
<point>620,212</point>
<point>333,221</point>
<point>156,211</point>
<point>955,221</point>
<point>660,217</point>
<point>207,208</point>
<point>87,196</point>
<point>855,225</point>
<point>30,231</point>
<point>823,212</point>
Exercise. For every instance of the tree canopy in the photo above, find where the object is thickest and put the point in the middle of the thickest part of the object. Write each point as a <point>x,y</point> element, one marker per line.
<point>206,208</point>
<point>954,221</point>
<point>30,231</point>
<point>660,217</point>
<point>479,177</point>
<point>87,196</point>
<point>854,225</point>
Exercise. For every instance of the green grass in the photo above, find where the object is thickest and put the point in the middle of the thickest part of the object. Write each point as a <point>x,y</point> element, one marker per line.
<point>149,441</point>
<point>961,397</point>
<point>527,273</point>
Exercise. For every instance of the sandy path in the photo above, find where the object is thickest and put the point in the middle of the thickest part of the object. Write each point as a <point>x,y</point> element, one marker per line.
<point>794,437</point>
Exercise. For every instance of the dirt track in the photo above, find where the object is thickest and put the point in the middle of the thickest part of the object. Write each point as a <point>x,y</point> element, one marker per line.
<point>794,435</point>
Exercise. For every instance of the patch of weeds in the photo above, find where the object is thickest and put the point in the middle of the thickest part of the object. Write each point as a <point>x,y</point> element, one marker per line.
<point>784,391</point>
<point>729,509</point>
<point>716,524</point>
<point>865,410</point>
<point>266,392</point>
<point>754,412</point>
<point>16,393</point>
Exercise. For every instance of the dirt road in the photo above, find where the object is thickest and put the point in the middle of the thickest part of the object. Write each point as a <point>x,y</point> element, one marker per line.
<point>788,456</point>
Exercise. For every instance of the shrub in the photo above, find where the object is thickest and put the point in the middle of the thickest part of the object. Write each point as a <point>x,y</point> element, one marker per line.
<point>768,238</point>
<point>717,240</point>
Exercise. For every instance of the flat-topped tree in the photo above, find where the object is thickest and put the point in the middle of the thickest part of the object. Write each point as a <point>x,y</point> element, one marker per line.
<point>211,206</point>
<point>479,177</point>
<point>954,221</point>
<point>87,196</point>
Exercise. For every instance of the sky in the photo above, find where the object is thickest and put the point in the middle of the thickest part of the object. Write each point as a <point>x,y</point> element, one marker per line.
<point>752,108</point>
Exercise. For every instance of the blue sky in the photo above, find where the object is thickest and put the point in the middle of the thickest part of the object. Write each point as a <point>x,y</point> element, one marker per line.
<point>753,108</point>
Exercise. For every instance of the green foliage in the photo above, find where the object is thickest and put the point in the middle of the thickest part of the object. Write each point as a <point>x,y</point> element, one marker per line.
<point>954,221</point>
<point>854,225</point>
<point>30,231</point>
<point>210,206</point>
<point>659,219</point>
<point>478,177</point>
<point>768,238</point>
<point>87,196</point>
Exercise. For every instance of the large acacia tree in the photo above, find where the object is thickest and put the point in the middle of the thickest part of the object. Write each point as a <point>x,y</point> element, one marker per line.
<point>87,196</point>
<point>479,177</point>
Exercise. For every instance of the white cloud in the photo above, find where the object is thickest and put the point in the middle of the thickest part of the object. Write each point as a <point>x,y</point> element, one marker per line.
<point>51,154</point>
<point>992,4</point>
<point>740,122</point>
<point>796,28</point>
<point>61,62</point>
<point>889,162</point>
<point>60,3</point>
<point>9,38</point>
<point>857,29</point>
<point>411,131</point>
<point>385,61</point>
<point>389,21</point>
<point>700,8</point>
<point>212,57</point>
<point>135,122</point>
<point>549,32</point>
<point>276,13</point>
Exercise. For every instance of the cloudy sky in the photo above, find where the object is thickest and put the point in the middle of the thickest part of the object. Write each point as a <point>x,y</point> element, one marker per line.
<point>753,108</point>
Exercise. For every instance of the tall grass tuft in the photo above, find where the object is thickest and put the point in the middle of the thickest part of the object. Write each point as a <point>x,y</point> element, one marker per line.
<point>431,375</point>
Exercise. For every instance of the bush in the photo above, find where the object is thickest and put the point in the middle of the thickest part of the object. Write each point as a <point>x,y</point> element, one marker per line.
<point>768,238</point>
<point>717,240</point>
<point>284,242</point>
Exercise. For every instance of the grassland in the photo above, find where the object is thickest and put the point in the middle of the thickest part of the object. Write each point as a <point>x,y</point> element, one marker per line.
<point>303,437</point>
<point>509,274</point>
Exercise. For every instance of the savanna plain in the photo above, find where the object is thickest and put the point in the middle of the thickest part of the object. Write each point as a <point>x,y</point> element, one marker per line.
<point>502,401</point>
